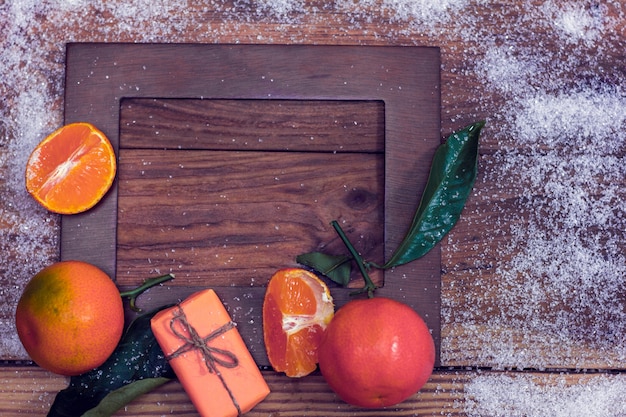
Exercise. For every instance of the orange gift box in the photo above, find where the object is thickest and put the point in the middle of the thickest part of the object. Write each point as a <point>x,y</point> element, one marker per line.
<point>209,356</point>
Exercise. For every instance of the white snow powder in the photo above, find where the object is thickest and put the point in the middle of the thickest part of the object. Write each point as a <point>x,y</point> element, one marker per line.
<point>577,21</point>
<point>561,152</point>
<point>523,395</point>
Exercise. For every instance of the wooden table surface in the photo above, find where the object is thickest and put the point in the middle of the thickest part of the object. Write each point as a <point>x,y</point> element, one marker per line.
<point>533,292</point>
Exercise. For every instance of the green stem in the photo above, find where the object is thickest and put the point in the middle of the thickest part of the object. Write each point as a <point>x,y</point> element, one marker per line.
<point>370,287</point>
<point>149,283</point>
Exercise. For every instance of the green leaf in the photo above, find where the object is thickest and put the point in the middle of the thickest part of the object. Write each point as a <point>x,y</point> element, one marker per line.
<point>337,268</point>
<point>122,396</point>
<point>450,182</point>
<point>138,357</point>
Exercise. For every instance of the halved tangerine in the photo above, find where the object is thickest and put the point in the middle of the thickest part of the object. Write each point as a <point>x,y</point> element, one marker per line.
<point>296,310</point>
<point>72,169</point>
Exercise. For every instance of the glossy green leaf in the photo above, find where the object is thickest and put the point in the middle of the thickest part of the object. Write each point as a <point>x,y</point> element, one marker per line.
<point>336,268</point>
<point>117,399</point>
<point>104,390</point>
<point>452,175</point>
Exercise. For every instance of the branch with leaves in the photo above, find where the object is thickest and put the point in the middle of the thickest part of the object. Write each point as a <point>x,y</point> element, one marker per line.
<point>450,182</point>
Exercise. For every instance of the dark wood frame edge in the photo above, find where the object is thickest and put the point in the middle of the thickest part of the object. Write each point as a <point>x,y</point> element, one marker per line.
<point>99,76</point>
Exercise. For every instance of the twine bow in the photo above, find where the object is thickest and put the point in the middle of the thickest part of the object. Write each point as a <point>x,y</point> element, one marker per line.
<point>211,356</point>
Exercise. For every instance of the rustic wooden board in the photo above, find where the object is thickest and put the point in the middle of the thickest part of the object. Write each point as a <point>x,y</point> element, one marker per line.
<point>448,392</point>
<point>35,389</point>
<point>235,158</point>
<point>193,199</point>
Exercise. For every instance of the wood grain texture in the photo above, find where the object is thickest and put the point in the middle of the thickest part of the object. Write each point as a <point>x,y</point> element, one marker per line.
<point>33,391</point>
<point>263,125</point>
<point>217,190</point>
<point>222,191</point>
<point>450,393</point>
<point>229,218</point>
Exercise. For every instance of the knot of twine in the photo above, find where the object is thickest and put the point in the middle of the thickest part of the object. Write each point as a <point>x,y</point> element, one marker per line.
<point>211,356</point>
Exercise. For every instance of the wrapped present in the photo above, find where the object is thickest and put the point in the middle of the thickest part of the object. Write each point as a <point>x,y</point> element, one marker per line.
<point>209,356</point>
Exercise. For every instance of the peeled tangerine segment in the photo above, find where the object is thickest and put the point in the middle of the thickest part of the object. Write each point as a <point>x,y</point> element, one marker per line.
<point>296,310</point>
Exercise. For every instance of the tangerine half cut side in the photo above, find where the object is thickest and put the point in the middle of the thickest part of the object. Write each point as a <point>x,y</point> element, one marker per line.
<point>296,310</point>
<point>71,169</point>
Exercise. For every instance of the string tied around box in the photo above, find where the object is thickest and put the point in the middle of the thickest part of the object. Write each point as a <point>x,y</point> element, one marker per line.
<point>212,356</point>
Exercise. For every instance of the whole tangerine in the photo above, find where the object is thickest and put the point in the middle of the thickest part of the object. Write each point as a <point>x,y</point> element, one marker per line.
<point>70,317</point>
<point>376,352</point>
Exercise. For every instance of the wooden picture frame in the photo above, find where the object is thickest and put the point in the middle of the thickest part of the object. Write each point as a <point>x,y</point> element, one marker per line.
<point>402,81</point>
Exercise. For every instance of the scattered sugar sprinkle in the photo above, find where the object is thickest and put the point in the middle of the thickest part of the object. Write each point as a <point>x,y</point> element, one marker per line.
<point>554,184</point>
<point>560,159</point>
<point>419,15</point>
<point>523,395</point>
<point>575,22</point>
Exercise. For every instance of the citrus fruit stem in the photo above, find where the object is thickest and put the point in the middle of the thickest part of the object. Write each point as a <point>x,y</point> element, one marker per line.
<point>149,283</point>
<point>369,287</point>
